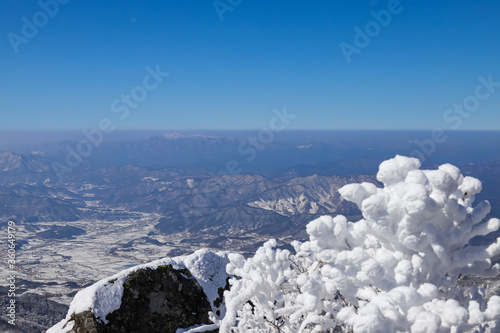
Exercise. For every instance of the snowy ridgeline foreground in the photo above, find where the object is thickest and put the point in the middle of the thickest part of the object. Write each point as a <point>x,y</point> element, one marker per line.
<point>396,270</point>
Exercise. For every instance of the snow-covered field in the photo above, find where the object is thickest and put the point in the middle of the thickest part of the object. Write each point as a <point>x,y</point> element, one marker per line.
<point>107,248</point>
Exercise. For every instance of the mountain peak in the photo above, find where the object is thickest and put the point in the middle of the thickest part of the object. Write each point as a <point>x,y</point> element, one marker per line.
<point>172,135</point>
<point>10,161</point>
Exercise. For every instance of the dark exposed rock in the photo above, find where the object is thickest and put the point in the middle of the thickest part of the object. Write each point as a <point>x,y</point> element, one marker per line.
<point>154,300</point>
<point>220,292</point>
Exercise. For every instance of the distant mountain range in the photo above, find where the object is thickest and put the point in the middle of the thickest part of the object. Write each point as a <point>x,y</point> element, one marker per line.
<point>185,179</point>
<point>236,203</point>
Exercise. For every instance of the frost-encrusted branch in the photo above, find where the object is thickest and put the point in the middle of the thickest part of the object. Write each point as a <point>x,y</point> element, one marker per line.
<point>394,270</point>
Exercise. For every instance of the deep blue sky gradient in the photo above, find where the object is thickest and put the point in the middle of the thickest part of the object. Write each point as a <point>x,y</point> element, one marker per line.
<point>230,74</point>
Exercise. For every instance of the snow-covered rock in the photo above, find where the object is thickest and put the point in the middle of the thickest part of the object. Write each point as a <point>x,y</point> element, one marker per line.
<point>161,296</point>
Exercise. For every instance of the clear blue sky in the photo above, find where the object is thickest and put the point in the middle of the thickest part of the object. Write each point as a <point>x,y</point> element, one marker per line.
<point>230,74</point>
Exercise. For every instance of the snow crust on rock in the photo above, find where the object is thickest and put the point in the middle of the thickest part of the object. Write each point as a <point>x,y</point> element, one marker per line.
<point>104,296</point>
<point>198,329</point>
<point>395,270</point>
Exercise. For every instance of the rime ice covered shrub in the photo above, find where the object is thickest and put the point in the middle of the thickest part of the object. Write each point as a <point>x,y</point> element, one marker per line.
<point>395,270</point>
